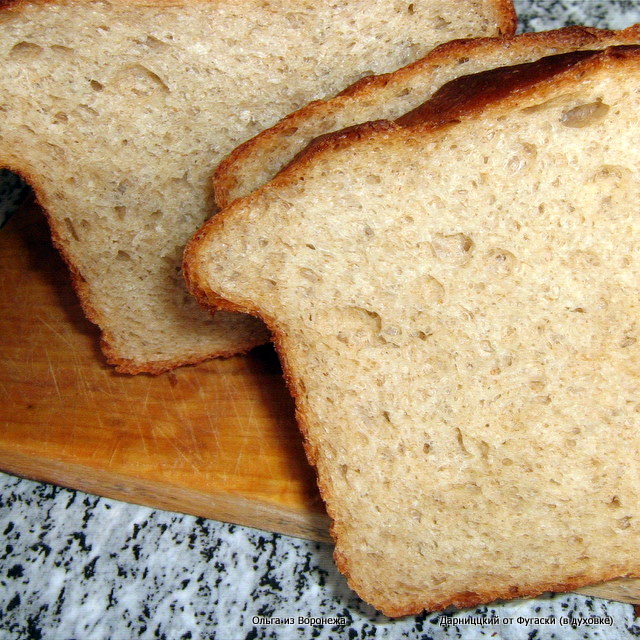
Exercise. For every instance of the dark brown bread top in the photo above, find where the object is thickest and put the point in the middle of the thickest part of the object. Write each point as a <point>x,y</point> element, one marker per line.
<point>464,97</point>
<point>472,93</point>
<point>469,96</point>
<point>271,143</point>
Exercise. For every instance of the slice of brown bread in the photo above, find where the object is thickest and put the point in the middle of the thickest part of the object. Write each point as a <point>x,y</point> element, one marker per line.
<point>118,112</point>
<point>390,95</point>
<point>454,299</point>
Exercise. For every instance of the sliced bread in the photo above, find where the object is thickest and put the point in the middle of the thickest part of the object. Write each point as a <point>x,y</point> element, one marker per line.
<point>388,96</point>
<point>454,300</point>
<point>118,112</point>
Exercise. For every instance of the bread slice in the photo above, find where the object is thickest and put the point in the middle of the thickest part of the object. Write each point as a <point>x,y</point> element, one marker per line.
<point>117,113</point>
<point>454,300</point>
<point>390,95</point>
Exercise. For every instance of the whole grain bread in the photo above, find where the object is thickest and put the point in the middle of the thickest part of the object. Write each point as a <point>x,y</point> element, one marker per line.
<point>118,112</point>
<point>454,300</point>
<point>390,95</point>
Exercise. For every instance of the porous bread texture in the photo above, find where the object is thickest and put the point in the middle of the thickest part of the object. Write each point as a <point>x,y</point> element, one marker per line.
<point>388,96</point>
<point>117,113</point>
<point>456,307</point>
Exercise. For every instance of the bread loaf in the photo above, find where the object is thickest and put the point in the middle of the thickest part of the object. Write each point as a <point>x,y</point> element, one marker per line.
<point>454,300</point>
<point>117,113</point>
<point>390,95</point>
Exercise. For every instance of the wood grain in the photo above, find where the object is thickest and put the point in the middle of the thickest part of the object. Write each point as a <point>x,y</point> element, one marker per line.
<point>218,440</point>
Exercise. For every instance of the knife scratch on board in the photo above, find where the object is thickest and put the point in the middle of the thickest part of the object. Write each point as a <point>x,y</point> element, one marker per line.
<point>57,333</point>
<point>209,416</point>
<point>53,373</point>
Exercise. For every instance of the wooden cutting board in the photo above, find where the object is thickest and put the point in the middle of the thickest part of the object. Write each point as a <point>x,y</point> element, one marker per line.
<point>218,440</point>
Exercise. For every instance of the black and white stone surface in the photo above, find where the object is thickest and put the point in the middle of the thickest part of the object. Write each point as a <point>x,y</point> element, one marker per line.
<point>75,566</point>
<point>78,566</point>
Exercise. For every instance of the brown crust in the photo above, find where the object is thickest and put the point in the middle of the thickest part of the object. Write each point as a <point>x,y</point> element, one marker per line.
<point>122,365</point>
<point>225,180</point>
<point>575,37</point>
<point>11,4</point>
<point>157,367</point>
<point>460,600</point>
<point>470,94</point>
<point>468,599</point>
<point>507,25</point>
<point>464,98</point>
<point>466,101</point>
<point>507,16</point>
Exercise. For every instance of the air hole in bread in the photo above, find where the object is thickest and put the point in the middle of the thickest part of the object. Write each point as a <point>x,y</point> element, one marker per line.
<point>120,212</point>
<point>71,229</point>
<point>516,164</point>
<point>60,118</point>
<point>615,173</point>
<point>86,109</point>
<point>309,274</point>
<point>627,341</point>
<point>96,86</point>
<point>501,262</point>
<point>441,23</point>
<point>358,325</point>
<point>122,255</point>
<point>140,81</point>
<point>537,385</point>
<point>584,115</point>
<point>295,19</point>
<point>155,43</point>
<point>461,443</point>
<point>454,249</point>
<point>25,51</point>
<point>62,50</point>
<point>429,290</point>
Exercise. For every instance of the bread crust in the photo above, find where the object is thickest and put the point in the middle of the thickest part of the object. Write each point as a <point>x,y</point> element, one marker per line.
<point>111,342</point>
<point>80,286</point>
<point>466,99</point>
<point>226,177</point>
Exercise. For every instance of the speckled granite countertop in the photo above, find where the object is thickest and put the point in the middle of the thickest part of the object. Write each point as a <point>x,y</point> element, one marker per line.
<point>77,566</point>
